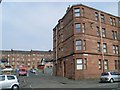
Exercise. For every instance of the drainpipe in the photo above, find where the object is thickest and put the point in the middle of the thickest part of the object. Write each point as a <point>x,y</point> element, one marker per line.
<point>101,40</point>
<point>56,45</point>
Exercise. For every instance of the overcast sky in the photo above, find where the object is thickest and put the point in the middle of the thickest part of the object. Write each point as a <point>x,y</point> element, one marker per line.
<point>29,25</point>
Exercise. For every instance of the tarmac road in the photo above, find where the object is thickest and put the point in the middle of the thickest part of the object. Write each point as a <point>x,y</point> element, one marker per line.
<point>47,81</point>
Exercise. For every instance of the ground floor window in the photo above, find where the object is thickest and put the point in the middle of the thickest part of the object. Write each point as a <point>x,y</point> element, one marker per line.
<point>106,64</point>
<point>100,64</point>
<point>117,64</point>
<point>85,63</point>
<point>79,64</point>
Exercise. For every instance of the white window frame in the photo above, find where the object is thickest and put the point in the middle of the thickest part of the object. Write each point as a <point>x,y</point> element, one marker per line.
<point>77,12</point>
<point>79,64</point>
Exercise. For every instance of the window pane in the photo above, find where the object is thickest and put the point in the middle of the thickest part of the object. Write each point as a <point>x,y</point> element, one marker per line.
<point>83,27</point>
<point>111,22</point>
<point>97,31</point>
<point>79,64</point>
<point>78,48</point>
<point>106,67</point>
<point>104,47</point>
<point>10,77</point>
<point>85,67</point>
<point>77,26</point>
<point>99,62</point>
<point>77,12</point>
<point>104,50</point>
<point>78,42</point>
<point>116,49</point>
<point>78,45</point>
<point>96,16</point>
<point>82,12</point>
<point>79,61</point>
<point>113,49</point>
<point>102,18</point>
<point>103,32</point>
<point>84,45</point>
<point>105,64</point>
<point>98,46</point>
<point>79,67</point>
<point>2,78</point>
<point>114,22</point>
<point>115,35</point>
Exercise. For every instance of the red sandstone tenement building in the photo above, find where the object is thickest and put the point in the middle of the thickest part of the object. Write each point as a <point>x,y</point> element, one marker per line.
<point>86,42</point>
<point>29,59</point>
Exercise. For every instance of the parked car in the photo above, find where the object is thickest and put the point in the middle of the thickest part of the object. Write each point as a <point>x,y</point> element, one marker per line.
<point>110,77</point>
<point>22,71</point>
<point>33,70</point>
<point>9,82</point>
<point>7,71</point>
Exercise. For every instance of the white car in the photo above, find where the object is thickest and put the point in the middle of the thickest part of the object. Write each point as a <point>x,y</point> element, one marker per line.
<point>110,77</point>
<point>9,82</point>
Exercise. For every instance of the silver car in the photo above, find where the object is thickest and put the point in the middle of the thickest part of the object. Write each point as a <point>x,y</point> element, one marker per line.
<point>9,82</point>
<point>110,77</point>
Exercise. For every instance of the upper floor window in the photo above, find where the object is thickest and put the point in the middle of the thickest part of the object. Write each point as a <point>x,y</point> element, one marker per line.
<point>103,32</point>
<point>114,35</point>
<point>104,47</point>
<point>78,27</point>
<point>83,27</point>
<point>112,21</point>
<point>82,12</point>
<point>97,31</point>
<point>96,16</point>
<point>91,25</point>
<point>115,49</point>
<point>102,18</point>
<point>84,44</point>
<point>98,46</point>
<point>78,45</point>
<point>77,12</point>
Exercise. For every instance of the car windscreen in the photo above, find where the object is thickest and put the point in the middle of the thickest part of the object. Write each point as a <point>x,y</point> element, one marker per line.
<point>104,74</point>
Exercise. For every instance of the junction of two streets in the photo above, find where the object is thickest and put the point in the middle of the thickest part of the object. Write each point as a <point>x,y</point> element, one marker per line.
<point>47,81</point>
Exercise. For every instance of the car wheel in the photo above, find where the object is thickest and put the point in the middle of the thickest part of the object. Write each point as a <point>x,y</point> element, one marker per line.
<point>111,80</point>
<point>15,87</point>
